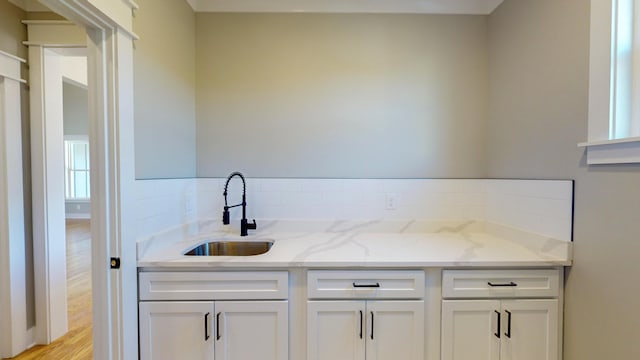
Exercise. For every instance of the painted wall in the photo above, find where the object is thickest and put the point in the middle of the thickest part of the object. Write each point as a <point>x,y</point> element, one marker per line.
<point>76,109</point>
<point>341,95</point>
<point>164,89</point>
<point>539,57</point>
<point>12,31</point>
<point>77,209</point>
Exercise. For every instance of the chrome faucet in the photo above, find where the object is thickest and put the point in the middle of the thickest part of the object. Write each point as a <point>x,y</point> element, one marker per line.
<point>244,224</point>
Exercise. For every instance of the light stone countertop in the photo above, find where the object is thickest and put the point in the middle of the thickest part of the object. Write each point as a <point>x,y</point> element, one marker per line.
<point>352,244</point>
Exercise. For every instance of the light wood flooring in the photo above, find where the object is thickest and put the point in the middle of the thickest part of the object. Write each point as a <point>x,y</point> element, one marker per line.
<point>77,344</point>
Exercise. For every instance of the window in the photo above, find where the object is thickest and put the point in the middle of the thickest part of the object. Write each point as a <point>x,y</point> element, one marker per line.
<point>614,83</point>
<point>76,175</point>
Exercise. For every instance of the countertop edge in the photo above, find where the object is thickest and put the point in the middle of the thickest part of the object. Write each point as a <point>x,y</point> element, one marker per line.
<point>151,266</point>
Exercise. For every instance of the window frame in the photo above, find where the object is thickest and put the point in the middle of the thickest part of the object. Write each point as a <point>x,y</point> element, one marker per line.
<point>602,146</point>
<point>67,171</point>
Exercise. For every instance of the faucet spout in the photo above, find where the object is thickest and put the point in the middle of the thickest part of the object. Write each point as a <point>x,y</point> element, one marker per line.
<point>244,224</point>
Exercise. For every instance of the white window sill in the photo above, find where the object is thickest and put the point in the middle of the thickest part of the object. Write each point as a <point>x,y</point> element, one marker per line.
<point>617,151</point>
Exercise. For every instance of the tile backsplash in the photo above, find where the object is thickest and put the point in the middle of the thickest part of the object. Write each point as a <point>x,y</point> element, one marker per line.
<point>543,207</point>
<point>164,203</point>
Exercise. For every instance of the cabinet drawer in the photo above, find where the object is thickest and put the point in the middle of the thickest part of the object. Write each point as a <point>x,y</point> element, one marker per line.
<point>221,285</point>
<point>400,284</point>
<point>500,283</point>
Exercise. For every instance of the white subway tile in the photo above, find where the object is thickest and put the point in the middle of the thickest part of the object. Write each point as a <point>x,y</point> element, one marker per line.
<point>516,203</point>
<point>283,185</point>
<point>263,198</point>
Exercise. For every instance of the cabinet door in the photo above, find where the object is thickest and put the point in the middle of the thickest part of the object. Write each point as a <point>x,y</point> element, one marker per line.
<point>469,329</point>
<point>335,330</point>
<point>395,330</point>
<point>532,330</point>
<point>248,330</point>
<point>176,330</point>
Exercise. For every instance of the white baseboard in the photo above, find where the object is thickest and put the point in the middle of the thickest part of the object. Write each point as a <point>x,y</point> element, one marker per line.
<point>78,216</point>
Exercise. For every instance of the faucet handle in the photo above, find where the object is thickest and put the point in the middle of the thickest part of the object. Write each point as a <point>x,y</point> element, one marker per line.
<point>245,225</point>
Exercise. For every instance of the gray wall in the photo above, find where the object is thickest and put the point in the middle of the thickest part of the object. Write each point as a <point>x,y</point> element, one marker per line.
<point>164,89</point>
<point>77,209</point>
<point>539,58</point>
<point>12,31</point>
<point>341,95</point>
<point>75,109</point>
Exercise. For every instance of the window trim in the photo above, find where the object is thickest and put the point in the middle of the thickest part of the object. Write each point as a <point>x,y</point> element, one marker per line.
<point>75,138</point>
<point>600,148</point>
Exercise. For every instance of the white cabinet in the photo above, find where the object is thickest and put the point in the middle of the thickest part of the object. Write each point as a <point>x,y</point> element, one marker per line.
<point>359,330</point>
<point>395,330</point>
<point>336,330</point>
<point>251,330</point>
<point>232,330</point>
<point>468,330</point>
<point>532,326</point>
<point>509,328</point>
<point>367,328</point>
<point>221,330</point>
<point>358,284</point>
<point>213,285</point>
<point>176,330</point>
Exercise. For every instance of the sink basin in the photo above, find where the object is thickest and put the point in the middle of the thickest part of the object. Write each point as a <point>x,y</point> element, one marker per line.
<point>230,248</point>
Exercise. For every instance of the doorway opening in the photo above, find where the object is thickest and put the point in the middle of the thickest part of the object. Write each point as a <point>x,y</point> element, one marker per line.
<point>104,29</point>
<point>77,182</point>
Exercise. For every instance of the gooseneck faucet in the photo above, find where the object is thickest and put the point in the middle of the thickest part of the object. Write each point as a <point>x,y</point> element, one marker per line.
<point>244,224</point>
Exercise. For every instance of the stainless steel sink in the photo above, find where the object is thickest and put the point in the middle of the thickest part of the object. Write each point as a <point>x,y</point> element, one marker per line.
<point>231,248</point>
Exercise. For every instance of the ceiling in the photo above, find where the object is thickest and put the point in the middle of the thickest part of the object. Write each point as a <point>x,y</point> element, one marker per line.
<point>476,7</point>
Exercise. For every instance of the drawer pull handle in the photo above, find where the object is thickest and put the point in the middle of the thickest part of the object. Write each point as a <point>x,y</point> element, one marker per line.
<point>509,284</point>
<point>508,333</point>
<point>206,326</point>
<point>361,324</point>
<point>218,335</point>
<point>376,285</point>
<point>372,325</point>
<point>497,334</point>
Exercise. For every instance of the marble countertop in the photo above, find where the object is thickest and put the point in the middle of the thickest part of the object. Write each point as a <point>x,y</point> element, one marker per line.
<point>372,244</point>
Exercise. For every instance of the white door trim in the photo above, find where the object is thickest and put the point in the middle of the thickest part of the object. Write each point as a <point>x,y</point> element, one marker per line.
<point>13,313</point>
<point>110,65</point>
<point>48,199</point>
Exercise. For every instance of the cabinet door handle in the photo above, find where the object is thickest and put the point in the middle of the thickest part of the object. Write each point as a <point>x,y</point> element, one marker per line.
<point>497,334</point>
<point>206,326</point>
<point>509,284</point>
<point>361,325</point>
<point>376,285</point>
<point>508,333</point>
<point>218,335</point>
<point>372,325</point>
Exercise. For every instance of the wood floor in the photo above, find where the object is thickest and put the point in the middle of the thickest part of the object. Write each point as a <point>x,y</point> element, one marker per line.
<point>77,344</point>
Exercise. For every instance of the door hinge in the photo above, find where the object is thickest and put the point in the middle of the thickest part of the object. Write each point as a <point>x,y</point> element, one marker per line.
<point>115,263</point>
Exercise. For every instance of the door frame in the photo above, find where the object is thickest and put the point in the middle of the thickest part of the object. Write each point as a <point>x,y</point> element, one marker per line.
<point>47,159</point>
<point>13,310</point>
<point>109,43</point>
